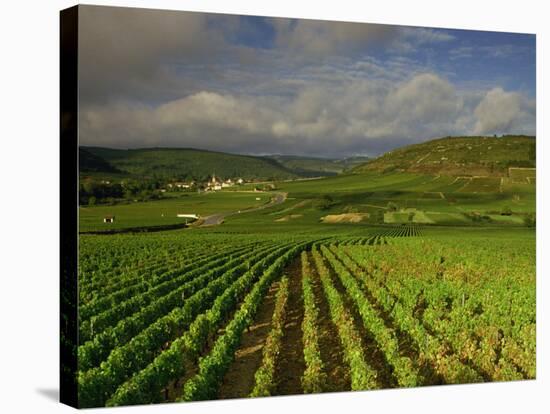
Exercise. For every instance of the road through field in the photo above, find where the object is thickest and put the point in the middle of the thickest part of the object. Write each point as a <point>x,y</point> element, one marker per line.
<point>218,218</point>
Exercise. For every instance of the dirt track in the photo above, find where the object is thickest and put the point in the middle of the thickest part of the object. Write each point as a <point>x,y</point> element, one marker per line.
<point>218,218</point>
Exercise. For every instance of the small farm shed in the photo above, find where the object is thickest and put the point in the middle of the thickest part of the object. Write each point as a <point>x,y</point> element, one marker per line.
<point>192,216</point>
<point>109,219</point>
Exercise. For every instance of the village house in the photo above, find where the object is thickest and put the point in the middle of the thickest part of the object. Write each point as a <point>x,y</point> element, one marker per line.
<point>214,184</point>
<point>183,185</point>
<point>188,215</point>
<point>109,219</point>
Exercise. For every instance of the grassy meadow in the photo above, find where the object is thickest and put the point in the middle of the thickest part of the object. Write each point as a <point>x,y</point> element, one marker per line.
<point>165,211</point>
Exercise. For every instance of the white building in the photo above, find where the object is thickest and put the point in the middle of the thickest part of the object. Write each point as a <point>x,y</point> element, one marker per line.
<point>188,215</point>
<point>214,183</point>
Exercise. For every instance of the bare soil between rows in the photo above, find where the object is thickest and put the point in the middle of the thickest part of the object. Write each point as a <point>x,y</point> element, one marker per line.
<point>239,379</point>
<point>290,363</point>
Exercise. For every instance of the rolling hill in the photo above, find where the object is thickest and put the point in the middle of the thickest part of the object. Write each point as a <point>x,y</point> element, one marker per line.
<point>181,163</point>
<point>92,163</point>
<point>313,166</point>
<point>459,156</point>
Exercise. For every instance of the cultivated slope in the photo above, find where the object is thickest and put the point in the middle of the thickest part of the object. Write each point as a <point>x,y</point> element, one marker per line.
<point>472,156</point>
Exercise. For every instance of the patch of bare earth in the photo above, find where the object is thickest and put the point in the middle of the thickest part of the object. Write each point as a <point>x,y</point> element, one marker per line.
<point>239,379</point>
<point>289,217</point>
<point>345,218</point>
<point>174,389</point>
<point>332,355</point>
<point>290,365</point>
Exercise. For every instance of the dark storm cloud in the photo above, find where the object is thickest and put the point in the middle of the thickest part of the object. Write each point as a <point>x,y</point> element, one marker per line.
<point>127,53</point>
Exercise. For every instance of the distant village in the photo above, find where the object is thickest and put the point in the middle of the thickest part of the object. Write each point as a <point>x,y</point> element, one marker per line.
<point>113,191</point>
<point>213,184</point>
<point>106,191</point>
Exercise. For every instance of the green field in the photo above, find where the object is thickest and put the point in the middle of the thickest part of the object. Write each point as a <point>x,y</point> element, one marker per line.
<point>164,212</point>
<point>165,317</point>
<point>434,283</point>
<point>435,200</point>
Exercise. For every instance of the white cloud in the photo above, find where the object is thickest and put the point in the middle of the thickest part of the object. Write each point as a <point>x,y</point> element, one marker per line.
<point>502,112</point>
<point>161,78</point>
<point>425,98</point>
<point>462,52</point>
<point>317,38</point>
<point>411,38</point>
<point>350,117</point>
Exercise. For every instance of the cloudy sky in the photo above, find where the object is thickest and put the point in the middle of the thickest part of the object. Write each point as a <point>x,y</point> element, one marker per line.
<point>271,85</point>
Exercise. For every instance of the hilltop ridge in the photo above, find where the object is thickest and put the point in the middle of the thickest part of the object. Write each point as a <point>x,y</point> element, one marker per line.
<point>184,163</point>
<point>459,156</point>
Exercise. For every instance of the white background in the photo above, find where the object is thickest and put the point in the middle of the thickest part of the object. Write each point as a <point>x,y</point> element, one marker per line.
<point>29,193</point>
